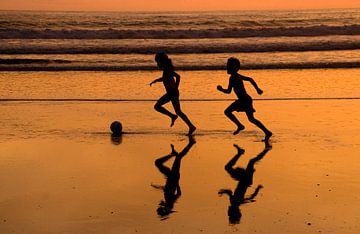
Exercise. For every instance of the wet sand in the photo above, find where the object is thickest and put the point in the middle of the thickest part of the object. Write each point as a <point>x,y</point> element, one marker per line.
<point>60,171</point>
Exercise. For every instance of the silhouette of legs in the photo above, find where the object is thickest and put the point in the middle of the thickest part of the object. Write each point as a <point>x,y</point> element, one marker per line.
<point>252,119</point>
<point>159,107</point>
<point>228,112</point>
<point>229,166</point>
<point>176,105</point>
<point>159,163</point>
<point>244,176</point>
<point>251,163</point>
<point>171,188</point>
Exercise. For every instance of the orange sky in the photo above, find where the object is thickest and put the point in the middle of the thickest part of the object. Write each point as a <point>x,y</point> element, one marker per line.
<point>176,5</point>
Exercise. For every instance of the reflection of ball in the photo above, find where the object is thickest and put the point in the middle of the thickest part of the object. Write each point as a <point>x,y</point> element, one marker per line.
<point>116,128</point>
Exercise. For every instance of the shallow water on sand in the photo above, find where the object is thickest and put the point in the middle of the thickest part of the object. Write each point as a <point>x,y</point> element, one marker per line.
<point>60,171</point>
<point>307,83</point>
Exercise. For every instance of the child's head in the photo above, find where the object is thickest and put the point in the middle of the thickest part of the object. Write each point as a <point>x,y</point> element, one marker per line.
<point>163,61</point>
<point>233,65</point>
<point>234,214</point>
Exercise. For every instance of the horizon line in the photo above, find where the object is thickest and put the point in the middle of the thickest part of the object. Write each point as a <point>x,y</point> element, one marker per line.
<point>180,11</point>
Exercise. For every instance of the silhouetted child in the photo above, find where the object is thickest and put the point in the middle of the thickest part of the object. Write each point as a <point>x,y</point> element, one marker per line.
<point>244,176</point>
<point>244,102</point>
<point>172,91</point>
<point>171,188</point>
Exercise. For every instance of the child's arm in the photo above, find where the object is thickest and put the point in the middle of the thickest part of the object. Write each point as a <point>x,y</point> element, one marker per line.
<point>252,81</point>
<point>252,196</point>
<point>225,191</point>
<point>228,90</point>
<point>156,80</point>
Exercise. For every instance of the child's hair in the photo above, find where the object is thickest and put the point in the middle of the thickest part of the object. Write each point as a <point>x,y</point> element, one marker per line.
<point>233,63</point>
<point>164,60</point>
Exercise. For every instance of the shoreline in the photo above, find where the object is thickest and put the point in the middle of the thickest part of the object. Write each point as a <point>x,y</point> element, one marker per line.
<point>183,100</point>
<point>349,65</point>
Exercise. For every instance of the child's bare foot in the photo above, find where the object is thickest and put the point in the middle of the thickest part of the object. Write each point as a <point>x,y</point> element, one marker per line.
<point>267,136</point>
<point>239,129</point>
<point>173,120</point>
<point>191,130</point>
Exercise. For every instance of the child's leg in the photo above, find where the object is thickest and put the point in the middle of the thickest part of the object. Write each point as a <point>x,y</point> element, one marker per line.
<point>159,107</point>
<point>176,105</point>
<point>231,116</point>
<point>159,163</point>
<point>252,119</point>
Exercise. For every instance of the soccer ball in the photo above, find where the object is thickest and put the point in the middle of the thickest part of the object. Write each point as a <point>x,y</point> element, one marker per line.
<point>116,128</point>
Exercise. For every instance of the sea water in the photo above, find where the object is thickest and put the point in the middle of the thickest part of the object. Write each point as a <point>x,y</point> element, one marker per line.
<point>195,40</point>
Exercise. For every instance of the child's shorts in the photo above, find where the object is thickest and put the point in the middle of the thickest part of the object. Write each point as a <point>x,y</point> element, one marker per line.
<point>244,104</point>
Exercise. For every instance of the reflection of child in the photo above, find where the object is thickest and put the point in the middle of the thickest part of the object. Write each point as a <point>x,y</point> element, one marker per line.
<point>171,188</point>
<point>244,102</point>
<point>172,91</point>
<point>244,176</point>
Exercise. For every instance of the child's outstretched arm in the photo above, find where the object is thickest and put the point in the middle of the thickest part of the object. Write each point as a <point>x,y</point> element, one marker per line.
<point>156,80</point>
<point>252,81</point>
<point>225,191</point>
<point>228,90</point>
<point>252,196</point>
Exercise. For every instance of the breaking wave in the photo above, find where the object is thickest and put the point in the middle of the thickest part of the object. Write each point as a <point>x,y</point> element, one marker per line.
<point>320,30</point>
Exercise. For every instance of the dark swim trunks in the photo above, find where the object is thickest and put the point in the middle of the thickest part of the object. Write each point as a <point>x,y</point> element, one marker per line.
<point>243,104</point>
<point>173,93</point>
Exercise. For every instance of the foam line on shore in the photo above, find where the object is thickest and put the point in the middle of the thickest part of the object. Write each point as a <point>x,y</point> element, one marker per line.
<point>153,100</point>
<point>317,65</point>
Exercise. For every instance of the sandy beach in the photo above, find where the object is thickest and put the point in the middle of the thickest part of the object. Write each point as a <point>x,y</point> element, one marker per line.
<point>61,172</point>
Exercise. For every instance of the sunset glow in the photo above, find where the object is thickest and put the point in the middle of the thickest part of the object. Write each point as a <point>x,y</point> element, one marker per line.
<point>181,5</point>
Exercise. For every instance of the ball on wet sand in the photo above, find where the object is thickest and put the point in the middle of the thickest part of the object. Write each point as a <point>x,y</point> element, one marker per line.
<point>116,128</point>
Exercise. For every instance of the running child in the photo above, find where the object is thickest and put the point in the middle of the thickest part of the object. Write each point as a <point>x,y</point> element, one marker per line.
<point>171,81</point>
<point>244,102</point>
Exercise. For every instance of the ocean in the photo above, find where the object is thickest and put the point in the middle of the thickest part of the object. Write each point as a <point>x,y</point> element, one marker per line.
<point>124,41</point>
